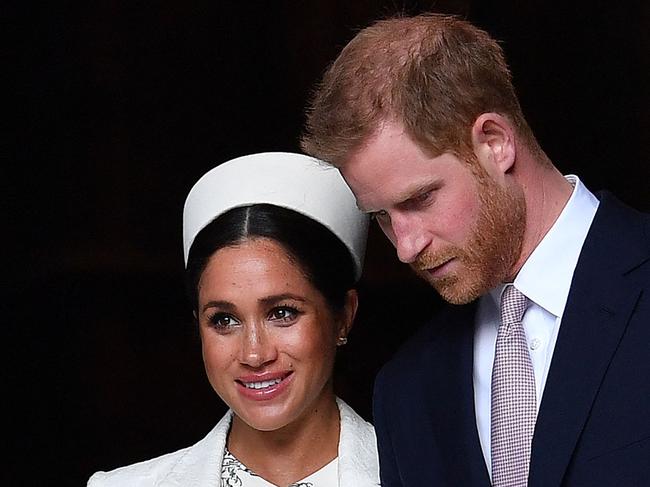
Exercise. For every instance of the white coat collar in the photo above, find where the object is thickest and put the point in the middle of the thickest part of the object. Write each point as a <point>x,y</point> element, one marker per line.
<point>200,464</point>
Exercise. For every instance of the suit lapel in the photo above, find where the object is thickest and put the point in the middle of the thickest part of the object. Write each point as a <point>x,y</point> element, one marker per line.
<point>598,309</point>
<point>451,361</point>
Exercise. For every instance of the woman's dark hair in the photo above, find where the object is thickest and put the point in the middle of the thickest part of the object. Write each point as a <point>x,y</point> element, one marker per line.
<point>324,260</point>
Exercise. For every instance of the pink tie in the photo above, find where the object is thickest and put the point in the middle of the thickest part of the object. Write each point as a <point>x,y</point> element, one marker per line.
<point>514,406</point>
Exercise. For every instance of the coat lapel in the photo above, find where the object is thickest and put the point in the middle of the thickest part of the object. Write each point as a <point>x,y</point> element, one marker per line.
<point>358,464</point>
<point>599,306</point>
<point>451,362</point>
<point>201,463</point>
<point>358,461</point>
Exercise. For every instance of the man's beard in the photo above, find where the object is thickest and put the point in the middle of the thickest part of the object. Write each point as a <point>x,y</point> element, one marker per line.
<point>492,250</point>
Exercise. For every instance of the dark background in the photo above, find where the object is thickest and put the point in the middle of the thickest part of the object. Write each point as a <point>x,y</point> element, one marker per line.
<point>123,105</point>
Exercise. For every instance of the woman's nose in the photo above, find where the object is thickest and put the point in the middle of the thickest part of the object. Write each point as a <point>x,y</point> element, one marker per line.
<point>257,347</point>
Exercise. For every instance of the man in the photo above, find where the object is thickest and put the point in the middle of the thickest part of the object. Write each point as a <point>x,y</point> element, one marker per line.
<point>542,376</point>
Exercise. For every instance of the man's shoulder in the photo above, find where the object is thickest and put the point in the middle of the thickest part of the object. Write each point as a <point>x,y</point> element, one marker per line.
<point>444,330</point>
<point>617,230</point>
<point>614,212</point>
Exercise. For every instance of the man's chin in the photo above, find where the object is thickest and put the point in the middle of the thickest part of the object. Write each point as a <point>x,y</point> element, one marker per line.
<point>456,297</point>
<point>459,285</point>
<point>456,291</point>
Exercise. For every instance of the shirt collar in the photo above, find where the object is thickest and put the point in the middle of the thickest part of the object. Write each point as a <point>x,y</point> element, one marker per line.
<point>545,277</point>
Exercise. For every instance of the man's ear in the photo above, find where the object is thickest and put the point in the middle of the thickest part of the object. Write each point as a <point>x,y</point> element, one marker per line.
<point>493,141</point>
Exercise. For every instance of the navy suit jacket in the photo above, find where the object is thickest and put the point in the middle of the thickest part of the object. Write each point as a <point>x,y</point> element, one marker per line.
<point>593,426</point>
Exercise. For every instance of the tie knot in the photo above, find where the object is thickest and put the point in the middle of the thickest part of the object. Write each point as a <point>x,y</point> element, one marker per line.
<point>513,305</point>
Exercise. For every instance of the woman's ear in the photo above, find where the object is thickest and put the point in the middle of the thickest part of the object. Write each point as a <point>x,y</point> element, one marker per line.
<point>349,312</point>
<point>493,141</point>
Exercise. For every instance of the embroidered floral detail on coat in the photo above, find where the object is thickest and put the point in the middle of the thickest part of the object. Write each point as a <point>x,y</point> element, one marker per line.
<point>231,470</point>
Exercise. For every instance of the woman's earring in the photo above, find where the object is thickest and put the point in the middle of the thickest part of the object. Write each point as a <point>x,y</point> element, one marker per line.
<point>341,341</point>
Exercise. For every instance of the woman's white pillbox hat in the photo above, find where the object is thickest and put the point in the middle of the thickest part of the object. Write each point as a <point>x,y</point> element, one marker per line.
<point>294,181</point>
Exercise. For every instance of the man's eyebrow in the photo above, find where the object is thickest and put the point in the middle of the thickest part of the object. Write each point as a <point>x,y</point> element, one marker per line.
<point>425,188</point>
<point>412,190</point>
<point>415,190</point>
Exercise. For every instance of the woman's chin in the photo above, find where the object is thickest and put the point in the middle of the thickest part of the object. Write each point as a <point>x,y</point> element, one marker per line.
<point>267,418</point>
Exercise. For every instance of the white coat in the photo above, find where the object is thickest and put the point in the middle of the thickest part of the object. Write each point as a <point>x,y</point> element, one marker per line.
<point>200,464</point>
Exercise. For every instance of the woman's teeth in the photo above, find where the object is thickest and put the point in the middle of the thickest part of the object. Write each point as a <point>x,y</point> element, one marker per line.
<point>261,385</point>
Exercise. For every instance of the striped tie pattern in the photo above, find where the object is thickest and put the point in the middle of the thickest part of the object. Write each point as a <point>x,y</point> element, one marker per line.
<point>514,406</point>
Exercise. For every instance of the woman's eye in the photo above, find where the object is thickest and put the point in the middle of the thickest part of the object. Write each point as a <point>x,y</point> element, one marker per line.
<point>222,320</point>
<point>283,314</point>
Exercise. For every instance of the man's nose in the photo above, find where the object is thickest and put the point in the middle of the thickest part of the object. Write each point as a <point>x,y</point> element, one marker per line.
<point>409,238</point>
<point>257,347</point>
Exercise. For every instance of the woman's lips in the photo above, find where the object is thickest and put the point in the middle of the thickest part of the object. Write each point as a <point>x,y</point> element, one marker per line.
<point>264,387</point>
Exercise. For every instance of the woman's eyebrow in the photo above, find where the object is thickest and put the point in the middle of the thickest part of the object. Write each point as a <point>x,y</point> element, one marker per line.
<point>268,300</point>
<point>226,305</point>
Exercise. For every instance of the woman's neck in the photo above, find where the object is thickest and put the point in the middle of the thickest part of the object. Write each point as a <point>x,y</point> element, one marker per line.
<point>293,452</point>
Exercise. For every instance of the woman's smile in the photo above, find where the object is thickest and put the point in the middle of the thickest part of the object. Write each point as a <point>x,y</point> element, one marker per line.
<point>265,387</point>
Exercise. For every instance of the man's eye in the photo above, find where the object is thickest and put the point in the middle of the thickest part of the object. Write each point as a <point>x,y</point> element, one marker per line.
<point>283,314</point>
<point>420,199</point>
<point>222,320</point>
<point>380,215</point>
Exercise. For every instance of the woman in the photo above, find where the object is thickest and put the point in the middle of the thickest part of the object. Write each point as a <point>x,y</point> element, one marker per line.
<point>273,246</point>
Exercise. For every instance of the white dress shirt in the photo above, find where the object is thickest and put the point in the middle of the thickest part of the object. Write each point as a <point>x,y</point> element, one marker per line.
<point>545,279</point>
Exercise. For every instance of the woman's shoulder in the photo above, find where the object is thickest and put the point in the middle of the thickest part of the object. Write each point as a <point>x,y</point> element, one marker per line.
<point>184,467</point>
<point>145,473</point>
